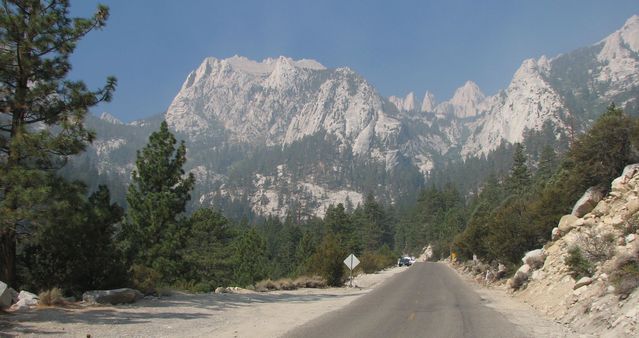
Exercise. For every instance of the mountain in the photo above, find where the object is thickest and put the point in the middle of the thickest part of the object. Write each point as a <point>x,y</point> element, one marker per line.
<point>290,137</point>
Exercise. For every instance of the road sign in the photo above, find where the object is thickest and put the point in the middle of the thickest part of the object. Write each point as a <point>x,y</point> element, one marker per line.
<point>351,261</point>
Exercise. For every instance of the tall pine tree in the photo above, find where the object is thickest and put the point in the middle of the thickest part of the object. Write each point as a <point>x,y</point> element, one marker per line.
<point>41,112</point>
<point>157,196</point>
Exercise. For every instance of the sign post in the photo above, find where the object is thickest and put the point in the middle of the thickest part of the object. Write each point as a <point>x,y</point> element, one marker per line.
<point>351,262</point>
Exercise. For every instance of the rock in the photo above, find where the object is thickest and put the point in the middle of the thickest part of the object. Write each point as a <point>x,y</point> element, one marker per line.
<point>555,234</point>
<point>587,202</point>
<point>520,277</point>
<point>582,282</point>
<point>27,295</point>
<point>501,271</point>
<point>117,296</point>
<point>621,241</point>
<point>537,275</point>
<point>6,296</point>
<point>26,300</point>
<point>490,276</point>
<point>619,184</point>
<point>630,238</point>
<point>220,289</point>
<point>632,207</point>
<point>603,277</point>
<point>535,258</point>
<point>566,223</point>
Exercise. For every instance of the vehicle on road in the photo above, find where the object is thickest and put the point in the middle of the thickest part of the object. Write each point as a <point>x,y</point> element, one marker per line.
<point>404,261</point>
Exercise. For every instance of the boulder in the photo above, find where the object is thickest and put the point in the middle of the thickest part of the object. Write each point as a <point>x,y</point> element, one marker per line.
<point>619,183</point>
<point>520,277</point>
<point>535,258</point>
<point>630,238</point>
<point>502,270</point>
<point>220,289</point>
<point>25,301</point>
<point>556,234</point>
<point>117,296</point>
<point>6,296</point>
<point>582,282</point>
<point>566,223</point>
<point>587,202</point>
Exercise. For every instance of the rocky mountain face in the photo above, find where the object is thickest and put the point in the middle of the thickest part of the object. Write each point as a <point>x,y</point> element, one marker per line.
<point>605,230</point>
<point>286,136</point>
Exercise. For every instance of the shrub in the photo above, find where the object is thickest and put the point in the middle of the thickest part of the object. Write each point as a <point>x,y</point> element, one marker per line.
<point>625,276</point>
<point>596,247</point>
<point>313,282</point>
<point>51,297</point>
<point>578,264</point>
<point>145,279</point>
<point>374,261</point>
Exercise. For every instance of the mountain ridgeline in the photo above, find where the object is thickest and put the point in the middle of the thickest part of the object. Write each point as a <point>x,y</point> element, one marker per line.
<point>291,137</point>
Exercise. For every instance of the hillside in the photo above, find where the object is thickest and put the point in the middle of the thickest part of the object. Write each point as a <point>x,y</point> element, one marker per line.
<point>286,136</point>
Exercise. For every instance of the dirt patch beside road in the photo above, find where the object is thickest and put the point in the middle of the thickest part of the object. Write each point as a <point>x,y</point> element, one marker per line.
<point>248,314</point>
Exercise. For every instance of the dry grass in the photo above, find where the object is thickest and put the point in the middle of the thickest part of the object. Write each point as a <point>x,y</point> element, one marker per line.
<point>51,297</point>
<point>288,284</point>
<point>625,274</point>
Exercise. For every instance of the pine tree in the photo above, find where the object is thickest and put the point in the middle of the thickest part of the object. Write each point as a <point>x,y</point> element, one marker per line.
<point>547,163</point>
<point>519,179</point>
<point>249,258</point>
<point>208,253</point>
<point>157,196</point>
<point>41,112</point>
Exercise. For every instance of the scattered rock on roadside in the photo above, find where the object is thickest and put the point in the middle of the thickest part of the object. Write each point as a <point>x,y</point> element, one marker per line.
<point>116,296</point>
<point>6,296</point>
<point>582,282</point>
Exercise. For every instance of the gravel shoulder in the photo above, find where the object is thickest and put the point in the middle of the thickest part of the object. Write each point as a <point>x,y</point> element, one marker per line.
<point>247,314</point>
<point>524,316</point>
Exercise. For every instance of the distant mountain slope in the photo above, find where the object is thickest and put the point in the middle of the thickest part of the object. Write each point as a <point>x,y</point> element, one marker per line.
<point>291,136</point>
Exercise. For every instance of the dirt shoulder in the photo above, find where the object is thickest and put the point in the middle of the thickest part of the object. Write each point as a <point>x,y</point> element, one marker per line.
<point>527,318</point>
<point>248,314</point>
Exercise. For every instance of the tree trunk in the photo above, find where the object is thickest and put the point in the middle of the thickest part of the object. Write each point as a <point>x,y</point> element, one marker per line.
<point>8,256</point>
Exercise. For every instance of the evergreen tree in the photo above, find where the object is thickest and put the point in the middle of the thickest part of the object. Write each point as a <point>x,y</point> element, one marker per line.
<point>547,164</point>
<point>519,180</point>
<point>250,258</point>
<point>327,261</point>
<point>207,253</point>
<point>153,231</point>
<point>73,248</point>
<point>600,155</point>
<point>37,39</point>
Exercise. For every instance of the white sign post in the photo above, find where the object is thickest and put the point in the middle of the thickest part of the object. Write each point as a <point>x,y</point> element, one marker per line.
<point>351,262</point>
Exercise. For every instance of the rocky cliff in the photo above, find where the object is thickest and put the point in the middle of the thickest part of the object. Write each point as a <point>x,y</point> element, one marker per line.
<point>606,303</point>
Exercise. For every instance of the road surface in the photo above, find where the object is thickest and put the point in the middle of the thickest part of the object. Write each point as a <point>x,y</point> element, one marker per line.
<point>428,300</point>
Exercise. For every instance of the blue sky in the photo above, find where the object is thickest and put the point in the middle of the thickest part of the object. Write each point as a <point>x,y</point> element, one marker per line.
<point>399,46</point>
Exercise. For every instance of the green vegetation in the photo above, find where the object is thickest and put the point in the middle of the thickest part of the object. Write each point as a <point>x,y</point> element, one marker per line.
<point>35,63</point>
<point>625,276</point>
<point>578,264</point>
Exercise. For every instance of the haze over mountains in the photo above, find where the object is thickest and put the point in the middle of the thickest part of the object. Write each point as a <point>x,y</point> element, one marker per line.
<point>283,135</point>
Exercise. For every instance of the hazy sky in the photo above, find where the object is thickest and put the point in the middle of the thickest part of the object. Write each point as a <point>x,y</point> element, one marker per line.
<point>399,46</point>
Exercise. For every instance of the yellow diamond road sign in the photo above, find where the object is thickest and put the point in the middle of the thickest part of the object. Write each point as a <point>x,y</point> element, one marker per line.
<point>351,261</point>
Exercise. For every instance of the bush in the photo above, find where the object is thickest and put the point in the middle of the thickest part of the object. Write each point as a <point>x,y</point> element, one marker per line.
<point>288,284</point>
<point>145,279</point>
<point>597,248</point>
<point>578,264</point>
<point>51,297</point>
<point>328,261</point>
<point>372,262</point>
<point>313,282</point>
<point>625,276</point>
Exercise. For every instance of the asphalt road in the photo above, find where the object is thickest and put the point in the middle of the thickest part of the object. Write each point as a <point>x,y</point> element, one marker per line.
<point>428,300</point>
